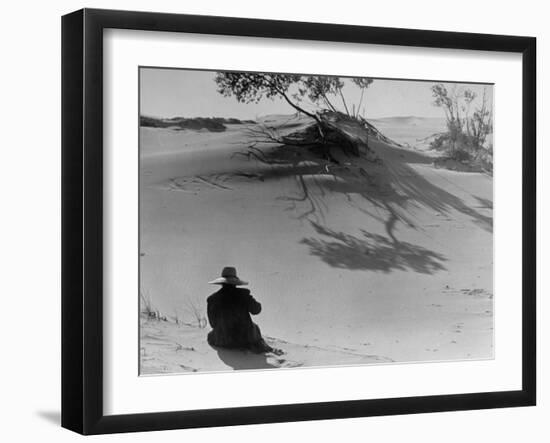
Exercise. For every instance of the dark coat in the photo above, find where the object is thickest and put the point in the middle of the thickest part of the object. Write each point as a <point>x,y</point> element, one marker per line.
<point>229,312</point>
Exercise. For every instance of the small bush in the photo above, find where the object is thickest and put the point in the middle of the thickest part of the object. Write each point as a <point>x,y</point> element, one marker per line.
<point>466,139</point>
<point>146,307</point>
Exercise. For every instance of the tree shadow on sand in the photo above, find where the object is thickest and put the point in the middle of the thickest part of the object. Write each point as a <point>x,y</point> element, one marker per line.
<point>383,185</point>
<point>372,252</point>
<point>385,182</point>
<point>484,203</point>
<point>393,187</point>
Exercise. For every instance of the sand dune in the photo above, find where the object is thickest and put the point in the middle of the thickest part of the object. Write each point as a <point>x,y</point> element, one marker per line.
<point>414,132</point>
<point>168,348</point>
<point>324,247</point>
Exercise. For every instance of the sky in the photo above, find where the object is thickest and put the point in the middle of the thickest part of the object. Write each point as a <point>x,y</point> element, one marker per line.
<point>188,93</point>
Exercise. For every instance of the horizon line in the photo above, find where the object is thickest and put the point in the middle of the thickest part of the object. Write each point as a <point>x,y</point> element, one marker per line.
<point>266,115</point>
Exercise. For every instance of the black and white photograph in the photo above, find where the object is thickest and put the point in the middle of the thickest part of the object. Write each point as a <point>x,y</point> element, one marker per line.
<point>275,222</point>
<point>291,220</point>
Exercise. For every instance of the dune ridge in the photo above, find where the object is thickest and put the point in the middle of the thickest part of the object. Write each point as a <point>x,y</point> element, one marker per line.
<point>324,243</point>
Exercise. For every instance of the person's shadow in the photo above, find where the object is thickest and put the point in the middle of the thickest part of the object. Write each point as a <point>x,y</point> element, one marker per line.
<point>242,359</point>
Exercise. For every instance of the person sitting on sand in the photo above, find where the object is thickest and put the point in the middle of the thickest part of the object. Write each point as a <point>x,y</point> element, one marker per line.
<point>229,312</point>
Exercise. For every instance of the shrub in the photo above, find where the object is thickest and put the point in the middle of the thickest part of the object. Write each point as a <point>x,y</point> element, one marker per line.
<point>466,137</point>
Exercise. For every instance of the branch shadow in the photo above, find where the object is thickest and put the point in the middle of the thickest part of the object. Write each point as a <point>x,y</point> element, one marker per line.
<point>372,252</point>
<point>484,203</point>
<point>389,184</point>
<point>408,182</point>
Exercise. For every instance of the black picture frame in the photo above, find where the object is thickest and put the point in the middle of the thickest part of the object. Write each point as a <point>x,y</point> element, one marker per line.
<point>82,220</point>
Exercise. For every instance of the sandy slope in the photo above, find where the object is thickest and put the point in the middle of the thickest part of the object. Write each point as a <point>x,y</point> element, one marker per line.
<point>390,259</point>
<point>167,348</point>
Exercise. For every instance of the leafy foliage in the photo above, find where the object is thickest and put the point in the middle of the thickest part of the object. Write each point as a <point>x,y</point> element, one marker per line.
<point>251,88</point>
<point>362,82</point>
<point>319,90</point>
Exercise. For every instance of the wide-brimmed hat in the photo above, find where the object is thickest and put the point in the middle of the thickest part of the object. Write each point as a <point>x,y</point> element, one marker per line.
<point>229,277</point>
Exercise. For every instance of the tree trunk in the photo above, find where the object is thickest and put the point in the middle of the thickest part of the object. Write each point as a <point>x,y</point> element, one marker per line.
<point>343,101</point>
